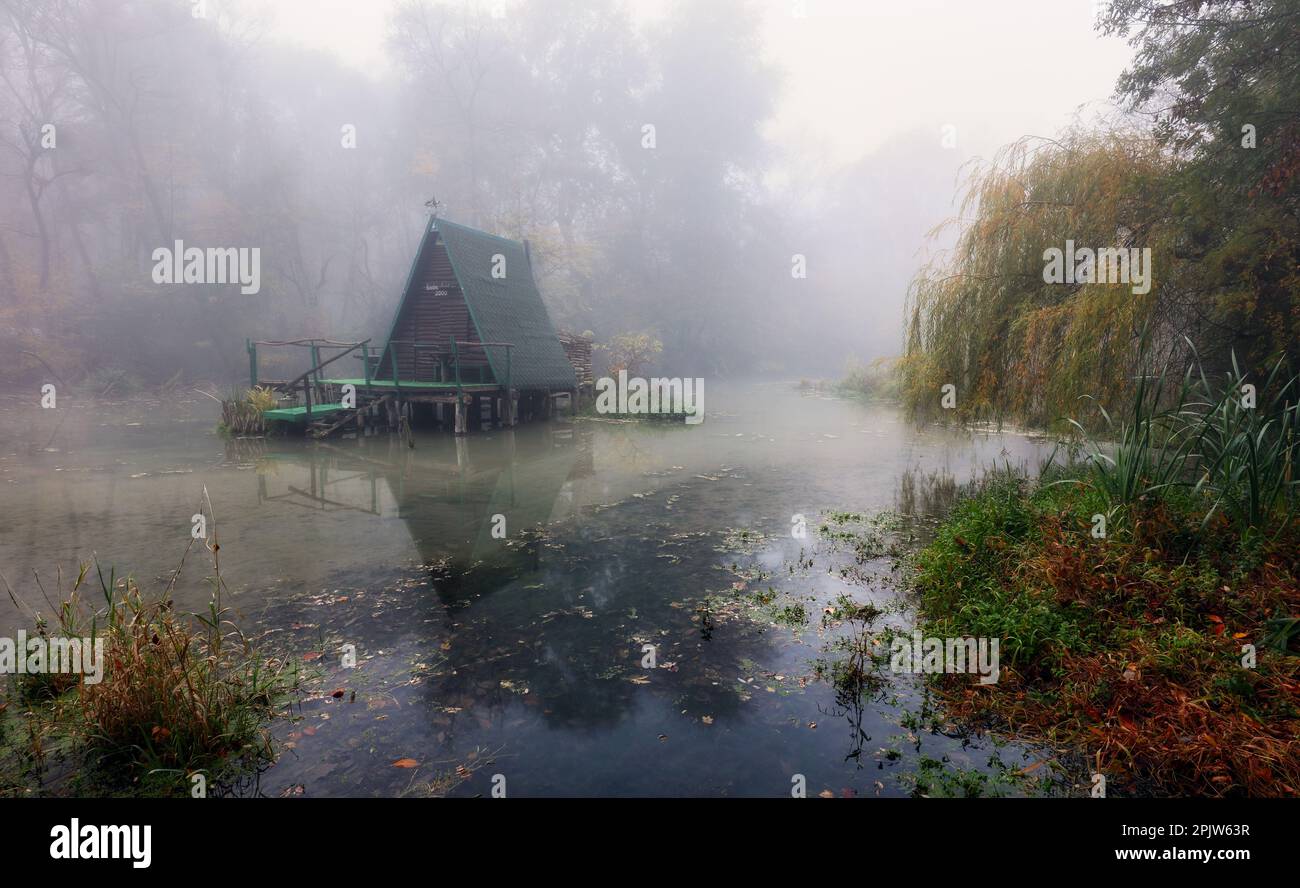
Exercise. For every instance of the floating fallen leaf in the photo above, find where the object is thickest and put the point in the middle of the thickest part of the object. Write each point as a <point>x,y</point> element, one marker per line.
<point>338,692</point>
<point>707,719</point>
<point>826,794</point>
<point>406,763</point>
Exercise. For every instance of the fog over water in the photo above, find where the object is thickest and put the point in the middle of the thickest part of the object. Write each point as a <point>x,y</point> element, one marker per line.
<point>621,534</point>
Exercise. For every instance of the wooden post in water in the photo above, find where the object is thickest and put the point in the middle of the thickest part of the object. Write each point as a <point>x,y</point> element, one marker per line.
<point>396,416</point>
<point>315,361</point>
<point>455,358</point>
<point>460,416</point>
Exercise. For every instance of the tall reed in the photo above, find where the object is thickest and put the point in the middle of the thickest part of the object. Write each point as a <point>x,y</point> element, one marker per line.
<point>1233,447</point>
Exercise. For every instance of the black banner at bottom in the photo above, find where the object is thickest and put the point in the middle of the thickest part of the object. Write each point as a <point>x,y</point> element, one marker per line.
<point>139,838</point>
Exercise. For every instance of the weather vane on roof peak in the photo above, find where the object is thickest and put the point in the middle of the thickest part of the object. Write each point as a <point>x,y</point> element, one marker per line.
<point>433,205</point>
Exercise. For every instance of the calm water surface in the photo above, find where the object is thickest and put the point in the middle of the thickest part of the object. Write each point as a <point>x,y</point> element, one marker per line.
<point>522,656</point>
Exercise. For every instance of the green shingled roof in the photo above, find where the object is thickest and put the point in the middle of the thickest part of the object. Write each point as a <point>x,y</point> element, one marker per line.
<point>507,309</point>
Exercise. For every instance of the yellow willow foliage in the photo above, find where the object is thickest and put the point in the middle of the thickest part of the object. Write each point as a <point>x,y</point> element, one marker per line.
<point>983,319</point>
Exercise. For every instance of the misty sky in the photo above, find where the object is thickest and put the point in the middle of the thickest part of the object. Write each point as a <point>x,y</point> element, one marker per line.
<point>855,72</point>
<point>830,156</point>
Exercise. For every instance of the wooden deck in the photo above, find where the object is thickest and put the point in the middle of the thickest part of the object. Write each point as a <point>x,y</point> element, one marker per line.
<point>321,406</point>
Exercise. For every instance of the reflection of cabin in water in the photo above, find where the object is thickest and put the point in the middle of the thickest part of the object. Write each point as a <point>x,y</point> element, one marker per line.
<point>470,344</point>
<point>445,494</point>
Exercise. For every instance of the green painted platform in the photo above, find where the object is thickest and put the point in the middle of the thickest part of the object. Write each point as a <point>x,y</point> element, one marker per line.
<point>299,414</point>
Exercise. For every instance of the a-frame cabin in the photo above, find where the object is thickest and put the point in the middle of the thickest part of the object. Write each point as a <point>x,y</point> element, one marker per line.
<point>470,336</point>
<point>473,287</point>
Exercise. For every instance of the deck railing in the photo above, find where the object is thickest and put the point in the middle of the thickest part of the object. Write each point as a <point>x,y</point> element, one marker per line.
<point>451,361</point>
<point>310,379</point>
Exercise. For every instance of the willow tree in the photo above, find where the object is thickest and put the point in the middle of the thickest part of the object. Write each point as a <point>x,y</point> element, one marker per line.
<point>986,319</point>
<point>1218,81</point>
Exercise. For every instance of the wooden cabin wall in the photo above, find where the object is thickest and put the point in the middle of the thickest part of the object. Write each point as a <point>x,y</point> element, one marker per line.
<point>434,313</point>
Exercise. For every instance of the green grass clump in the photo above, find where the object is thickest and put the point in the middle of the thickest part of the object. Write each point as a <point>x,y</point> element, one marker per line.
<point>178,695</point>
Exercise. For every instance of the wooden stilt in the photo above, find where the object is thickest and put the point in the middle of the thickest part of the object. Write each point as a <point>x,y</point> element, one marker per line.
<point>460,416</point>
